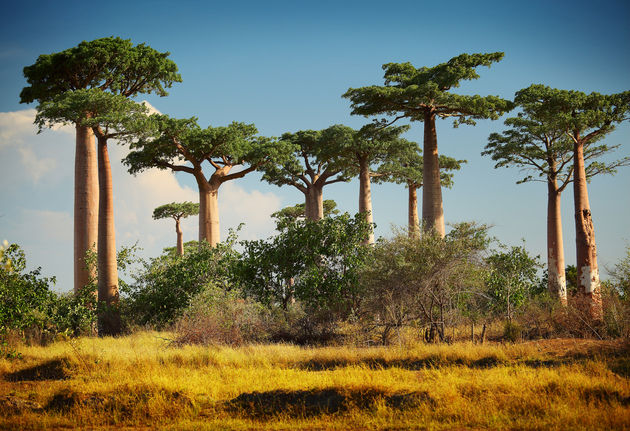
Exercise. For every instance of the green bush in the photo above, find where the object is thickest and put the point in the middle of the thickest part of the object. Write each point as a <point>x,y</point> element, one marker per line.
<point>164,289</point>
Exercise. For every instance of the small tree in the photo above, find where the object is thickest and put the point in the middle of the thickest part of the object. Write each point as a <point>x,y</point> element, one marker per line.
<point>177,211</point>
<point>298,212</point>
<point>423,94</point>
<point>512,279</point>
<point>321,257</point>
<point>417,280</point>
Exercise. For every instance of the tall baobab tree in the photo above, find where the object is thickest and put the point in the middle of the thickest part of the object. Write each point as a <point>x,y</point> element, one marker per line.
<point>584,118</point>
<point>182,146</point>
<point>109,64</point>
<point>177,211</point>
<point>423,94</point>
<point>109,116</point>
<point>406,169</point>
<point>535,143</point>
<point>316,161</point>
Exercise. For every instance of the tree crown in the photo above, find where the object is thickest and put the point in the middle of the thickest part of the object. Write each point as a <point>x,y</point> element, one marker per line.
<point>110,63</point>
<point>176,210</point>
<point>540,137</point>
<point>407,168</point>
<point>414,92</point>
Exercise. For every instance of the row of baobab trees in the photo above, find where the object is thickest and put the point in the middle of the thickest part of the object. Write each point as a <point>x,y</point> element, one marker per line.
<point>91,86</point>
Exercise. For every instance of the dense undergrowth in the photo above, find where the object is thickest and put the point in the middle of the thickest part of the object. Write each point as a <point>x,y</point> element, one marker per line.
<point>146,381</point>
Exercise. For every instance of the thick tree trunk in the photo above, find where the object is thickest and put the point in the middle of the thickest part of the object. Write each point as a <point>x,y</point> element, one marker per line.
<point>432,211</point>
<point>587,270</point>
<point>209,214</point>
<point>109,317</point>
<point>557,282</point>
<point>365,197</point>
<point>180,238</point>
<point>85,203</point>
<point>414,223</point>
<point>314,206</point>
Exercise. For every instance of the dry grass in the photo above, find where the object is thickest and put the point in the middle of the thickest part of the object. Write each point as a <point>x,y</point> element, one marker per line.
<point>141,382</point>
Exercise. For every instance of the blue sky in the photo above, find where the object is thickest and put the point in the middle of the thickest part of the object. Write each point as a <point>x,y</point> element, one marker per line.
<point>283,65</point>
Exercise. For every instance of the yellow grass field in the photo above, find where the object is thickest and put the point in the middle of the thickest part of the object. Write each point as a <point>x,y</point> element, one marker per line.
<point>143,382</point>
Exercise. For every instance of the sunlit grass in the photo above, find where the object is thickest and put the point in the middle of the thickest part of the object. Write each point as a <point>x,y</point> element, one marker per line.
<point>143,380</point>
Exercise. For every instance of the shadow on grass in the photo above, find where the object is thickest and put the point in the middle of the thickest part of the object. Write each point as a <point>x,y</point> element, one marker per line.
<point>50,370</point>
<point>319,402</point>
<point>413,364</point>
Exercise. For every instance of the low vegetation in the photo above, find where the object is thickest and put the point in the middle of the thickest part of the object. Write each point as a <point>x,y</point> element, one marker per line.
<point>146,381</point>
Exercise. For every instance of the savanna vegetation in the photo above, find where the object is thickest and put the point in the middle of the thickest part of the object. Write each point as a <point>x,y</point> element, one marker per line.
<point>320,326</point>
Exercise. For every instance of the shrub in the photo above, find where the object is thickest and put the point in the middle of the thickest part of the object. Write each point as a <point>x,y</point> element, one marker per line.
<point>219,316</point>
<point>418,281</point>
<point>167,285</point>
<point>315,263</point>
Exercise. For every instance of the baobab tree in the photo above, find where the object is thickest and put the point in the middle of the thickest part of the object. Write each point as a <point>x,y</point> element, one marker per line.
<point>316,161</point>
<point>584,118</point>
<point>108,64</point>
<point>109,116</point>
<point>181,145</point>
<point>177,211</point>
<point>372,144</point>
<point>423,94</point>
<point>536,144</point>
<point>406,169</point>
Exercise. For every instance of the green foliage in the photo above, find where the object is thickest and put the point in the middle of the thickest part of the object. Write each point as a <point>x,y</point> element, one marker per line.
<point>24,296</point>
<point>537,139</point>
<point>316,157</point>
<point>584,117</point>
<point>316,263</point>
<point>110,115</point>
<point>28,305</point>
<point>112,64</point>
<point>406,168</point>
<point>182,145</point>
<point>620,275</point>
<point>512,279</point>
<point>176,210</point>
<point>418,281</point>
<point>411,92</point>
<point>297,212</point>
<point>167,284</point>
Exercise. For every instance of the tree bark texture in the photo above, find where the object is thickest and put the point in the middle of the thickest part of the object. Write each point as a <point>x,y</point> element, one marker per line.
<point>587,270</point>
<point>209,214</point>
<point>414,223</point>
<point>109,317</point>
<point>180,238</point>
<point>85,203</point>
<point>365,197</point>
<point>557,282</point>
<point>314,205</point>
<point>432,210</point>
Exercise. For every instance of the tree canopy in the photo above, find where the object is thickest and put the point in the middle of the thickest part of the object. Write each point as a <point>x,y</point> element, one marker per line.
<point>109,63</point>
<point>176,210</point>
<point>409,92</point>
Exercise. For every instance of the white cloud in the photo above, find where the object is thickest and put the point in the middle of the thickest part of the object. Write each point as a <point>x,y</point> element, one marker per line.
<point>37,174</point>
<point>37,167</point>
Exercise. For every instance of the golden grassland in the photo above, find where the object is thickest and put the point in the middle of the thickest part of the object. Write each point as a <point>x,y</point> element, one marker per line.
<point>142,381</point>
